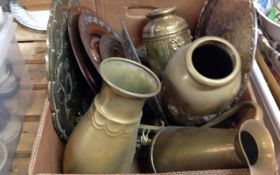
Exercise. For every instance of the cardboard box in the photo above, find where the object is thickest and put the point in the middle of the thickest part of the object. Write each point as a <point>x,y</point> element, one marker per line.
<point>47,154</point>
<point>133,12</point>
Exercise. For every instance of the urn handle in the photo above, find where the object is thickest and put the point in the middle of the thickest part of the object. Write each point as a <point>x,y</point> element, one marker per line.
<point>258,113</point>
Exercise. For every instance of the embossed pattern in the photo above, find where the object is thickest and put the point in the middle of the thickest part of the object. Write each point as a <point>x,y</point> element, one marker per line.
<point>166,46</point>
<point>111,127</point>
<point>68,93</point>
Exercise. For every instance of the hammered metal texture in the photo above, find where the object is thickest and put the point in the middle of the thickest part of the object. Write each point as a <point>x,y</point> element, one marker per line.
<point>234,21</point>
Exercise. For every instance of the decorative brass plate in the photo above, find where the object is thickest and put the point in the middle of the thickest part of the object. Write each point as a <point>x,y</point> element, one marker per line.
<point>69,94</point>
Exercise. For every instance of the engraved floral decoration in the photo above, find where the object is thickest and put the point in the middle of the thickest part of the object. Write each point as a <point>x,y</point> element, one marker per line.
<point>69,95</point>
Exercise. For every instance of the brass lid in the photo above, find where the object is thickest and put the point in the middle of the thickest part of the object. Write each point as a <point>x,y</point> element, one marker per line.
<point>162,22</point>
<point>161,11</point>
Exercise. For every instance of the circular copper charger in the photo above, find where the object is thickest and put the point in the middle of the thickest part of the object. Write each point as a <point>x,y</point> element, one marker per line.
<point>91,29</point>
<point>87,68</point>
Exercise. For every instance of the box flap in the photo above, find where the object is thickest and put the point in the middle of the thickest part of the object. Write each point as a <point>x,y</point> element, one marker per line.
<point>134,11</point>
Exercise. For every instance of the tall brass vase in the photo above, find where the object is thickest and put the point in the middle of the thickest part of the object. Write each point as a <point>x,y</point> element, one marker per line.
<point>104,140</point>
<point>163,35</point>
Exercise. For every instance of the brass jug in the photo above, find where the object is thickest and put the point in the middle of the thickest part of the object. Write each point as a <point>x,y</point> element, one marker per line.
<point>163,35</point>
<point>104,141</point>
<point>186,149</point>
<point>202,79</point>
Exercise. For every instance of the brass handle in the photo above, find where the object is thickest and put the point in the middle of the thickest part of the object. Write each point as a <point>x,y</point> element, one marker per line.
<point>258,113</point>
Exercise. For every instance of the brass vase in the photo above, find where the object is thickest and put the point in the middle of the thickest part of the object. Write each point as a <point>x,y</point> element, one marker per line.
<point>202,79</point>
<point>104,140</point>
<point>186,149</point>
<point>163,35</point>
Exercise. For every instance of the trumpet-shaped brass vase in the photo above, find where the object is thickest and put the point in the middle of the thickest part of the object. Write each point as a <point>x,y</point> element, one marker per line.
<point>104,140</point>
<point>202,78</point>
<point>184,149</point>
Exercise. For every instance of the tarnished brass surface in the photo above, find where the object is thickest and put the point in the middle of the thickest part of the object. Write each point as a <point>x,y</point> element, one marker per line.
<point>69,93</point>
<point>163,35</point>
<point>235,21</point>
<point>183,149</point>
<point>201,80</point>
<point>105,139</point>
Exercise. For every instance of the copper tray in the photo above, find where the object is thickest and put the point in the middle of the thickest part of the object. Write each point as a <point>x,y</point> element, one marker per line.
<point>91,29</point>
<point>85,65</point>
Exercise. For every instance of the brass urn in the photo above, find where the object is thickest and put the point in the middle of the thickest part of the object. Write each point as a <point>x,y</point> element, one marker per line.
<point>202,79</point>
<point>163,35</point>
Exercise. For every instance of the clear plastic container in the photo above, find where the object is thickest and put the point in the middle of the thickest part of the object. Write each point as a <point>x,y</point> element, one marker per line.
<point>15,92</point>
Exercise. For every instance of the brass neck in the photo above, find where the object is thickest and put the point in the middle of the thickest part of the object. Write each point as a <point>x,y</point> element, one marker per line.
<point>161,12</point>
<point>118,107</point>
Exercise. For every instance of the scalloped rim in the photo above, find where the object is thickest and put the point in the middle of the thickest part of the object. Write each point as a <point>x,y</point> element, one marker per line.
<point>139,95</point>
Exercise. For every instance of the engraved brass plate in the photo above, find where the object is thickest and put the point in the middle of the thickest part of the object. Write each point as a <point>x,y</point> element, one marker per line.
<point>69,94</point>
